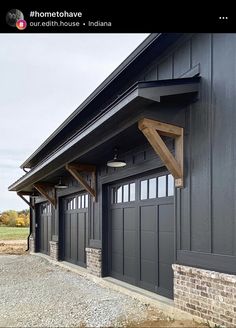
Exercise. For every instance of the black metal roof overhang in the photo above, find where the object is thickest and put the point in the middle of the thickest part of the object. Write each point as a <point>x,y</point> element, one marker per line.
<point>153,91</point>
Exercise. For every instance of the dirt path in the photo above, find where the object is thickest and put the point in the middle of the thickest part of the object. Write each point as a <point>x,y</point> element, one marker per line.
<point>14,242</point>
<point>155,319</point>
<point>13,246</point>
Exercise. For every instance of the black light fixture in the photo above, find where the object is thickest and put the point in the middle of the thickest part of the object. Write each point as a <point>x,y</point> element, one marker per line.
<point>61,185</point>
<point>116,162</point>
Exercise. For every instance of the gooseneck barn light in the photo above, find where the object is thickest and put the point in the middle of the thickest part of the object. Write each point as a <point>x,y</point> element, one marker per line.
<point>61,185</point>
<point>116,162</point>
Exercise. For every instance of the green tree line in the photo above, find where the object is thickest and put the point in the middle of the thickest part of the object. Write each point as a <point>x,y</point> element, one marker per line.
<point>13,218</point>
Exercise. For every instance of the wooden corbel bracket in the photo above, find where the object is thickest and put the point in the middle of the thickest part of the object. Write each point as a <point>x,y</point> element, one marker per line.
<point>48,191</point>
<point>21,194</point>
<point>153,130</point>
<point>74,169</point>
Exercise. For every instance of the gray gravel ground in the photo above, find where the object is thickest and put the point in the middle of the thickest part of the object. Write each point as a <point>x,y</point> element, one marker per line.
<point>35,293</point>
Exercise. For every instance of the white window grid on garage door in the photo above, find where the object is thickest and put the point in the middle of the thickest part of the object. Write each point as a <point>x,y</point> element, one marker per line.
<point>155,187</point>
<point>46,208</point>
<point>77,202</point>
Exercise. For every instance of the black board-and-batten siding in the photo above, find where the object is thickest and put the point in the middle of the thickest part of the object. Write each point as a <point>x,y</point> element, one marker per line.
<point>205,224</point>
<point>205,210</point>
<point>205,207</point>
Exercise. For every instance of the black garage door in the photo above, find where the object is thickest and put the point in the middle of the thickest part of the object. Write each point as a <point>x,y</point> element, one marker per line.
<point>44,218</point>
<point>142,233</point>
<point>75,228</point>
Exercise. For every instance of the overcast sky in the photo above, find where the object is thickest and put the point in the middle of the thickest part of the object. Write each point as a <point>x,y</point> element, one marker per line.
<point>44,77</point>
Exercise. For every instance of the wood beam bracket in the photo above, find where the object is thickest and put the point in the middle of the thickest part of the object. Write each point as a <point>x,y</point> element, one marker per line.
<point>21,194</point>
<point>75,169</point>
<point>48,191</point>
<point>153,130</point>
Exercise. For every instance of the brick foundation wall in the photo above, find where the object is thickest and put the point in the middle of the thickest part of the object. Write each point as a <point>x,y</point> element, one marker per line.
<point>94,261</point>
<point>206,294</point>
<point>31,244</point>
<point>53,250</point>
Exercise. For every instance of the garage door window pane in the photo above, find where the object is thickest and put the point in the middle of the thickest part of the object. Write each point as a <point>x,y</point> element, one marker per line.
<point>119,194</point>
<point>162,186</point>
<point>86,201</point>
<point>144,189</point>
<point>170,185</point>
<point>44,209</point>
<point>79,202</point>
<point>82,201</point>
<point>125,193</point>
<point>132,192</point>
<point>49,208</point>
<point>152,188</point>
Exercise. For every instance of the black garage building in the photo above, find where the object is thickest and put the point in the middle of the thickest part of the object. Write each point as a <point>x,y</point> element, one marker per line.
<point>166,220</point>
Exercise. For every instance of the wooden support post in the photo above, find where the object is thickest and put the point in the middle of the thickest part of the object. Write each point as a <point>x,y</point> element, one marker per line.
<point>44,189</point>
<point>21,195</point>
<point>75,168</point>
<point>153,130</point>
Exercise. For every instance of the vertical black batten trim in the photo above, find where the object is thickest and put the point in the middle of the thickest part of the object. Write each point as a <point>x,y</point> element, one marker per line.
<point>77,219</point>
<point>190,53</point>
<point>99,200</point>
<point>138,264</point>
<point>234,192</point>
<point>210,123</point>
<point>180,220</point>
<point>175,227</point>
<point>138,238</point>
<point>90,218</point>
<point>157,266</point>
<point>137,198</point>
<point>69,223</point>
<point>190,177</point>
<point>104,223</point>
<point>59,226</point>
<point>123,242</point>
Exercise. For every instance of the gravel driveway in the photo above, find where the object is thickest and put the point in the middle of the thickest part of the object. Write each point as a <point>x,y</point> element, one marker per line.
<point>34,292</point>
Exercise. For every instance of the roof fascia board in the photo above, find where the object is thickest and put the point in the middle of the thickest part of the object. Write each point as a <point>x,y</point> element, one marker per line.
<point>155,93</point>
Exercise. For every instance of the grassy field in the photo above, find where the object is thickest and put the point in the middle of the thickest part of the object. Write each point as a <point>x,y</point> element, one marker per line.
<point>13,233</point>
